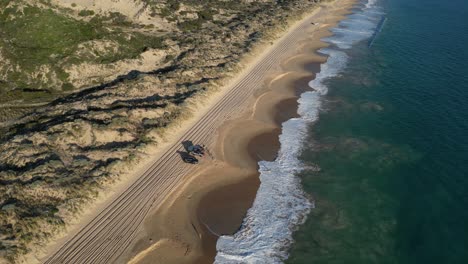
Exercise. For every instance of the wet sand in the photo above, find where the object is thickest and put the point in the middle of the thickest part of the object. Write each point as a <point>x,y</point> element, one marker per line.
<point>215,199</point>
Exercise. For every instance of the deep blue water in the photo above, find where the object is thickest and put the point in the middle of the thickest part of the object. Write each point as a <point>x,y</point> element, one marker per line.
<point>392,145</point>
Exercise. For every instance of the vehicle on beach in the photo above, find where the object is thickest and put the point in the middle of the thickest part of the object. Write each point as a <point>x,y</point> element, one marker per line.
<point>197,150</point>
<point>191,152</point>
<point>190,159</point>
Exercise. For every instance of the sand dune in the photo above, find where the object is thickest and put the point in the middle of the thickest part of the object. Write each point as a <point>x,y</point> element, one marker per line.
<point>120,231</point>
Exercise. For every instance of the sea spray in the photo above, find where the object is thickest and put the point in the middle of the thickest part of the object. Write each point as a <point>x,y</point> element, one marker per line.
<point>281,204</point>
<point>336,62</point>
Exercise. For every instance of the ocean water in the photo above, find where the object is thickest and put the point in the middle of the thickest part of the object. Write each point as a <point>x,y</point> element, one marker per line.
<point>375,169</point>
<point>281,205</point>
<point>391,140</point>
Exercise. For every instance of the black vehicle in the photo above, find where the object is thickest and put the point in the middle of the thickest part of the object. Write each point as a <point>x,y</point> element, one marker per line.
<point>190,159</point>
<point>197,150</point>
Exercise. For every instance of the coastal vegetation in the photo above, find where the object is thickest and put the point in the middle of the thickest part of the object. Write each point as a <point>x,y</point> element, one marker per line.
<point>84,91</point>
<point>39,47</point>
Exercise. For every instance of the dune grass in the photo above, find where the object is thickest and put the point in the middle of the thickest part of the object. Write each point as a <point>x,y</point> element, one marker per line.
<point>39,42</point>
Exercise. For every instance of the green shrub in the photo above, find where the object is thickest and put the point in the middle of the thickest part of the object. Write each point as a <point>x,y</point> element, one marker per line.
<point>84,13</point>
<point>191,25</point>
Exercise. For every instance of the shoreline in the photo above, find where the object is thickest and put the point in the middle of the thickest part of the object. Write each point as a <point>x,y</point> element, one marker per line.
<point>174,132</point>
<point>208,205</point>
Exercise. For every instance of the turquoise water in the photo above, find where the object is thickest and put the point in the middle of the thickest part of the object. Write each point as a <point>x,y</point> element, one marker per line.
<point>392,144</point>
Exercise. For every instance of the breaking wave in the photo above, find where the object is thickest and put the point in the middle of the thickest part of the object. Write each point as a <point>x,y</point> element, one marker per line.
<point>281,204</point>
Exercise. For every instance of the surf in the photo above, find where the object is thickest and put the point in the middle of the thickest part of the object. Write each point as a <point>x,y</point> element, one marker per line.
<point>281,205</point>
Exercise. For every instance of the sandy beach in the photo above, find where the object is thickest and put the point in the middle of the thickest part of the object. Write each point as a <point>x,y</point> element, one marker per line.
<point>215,200</point>
<point>174,212</point>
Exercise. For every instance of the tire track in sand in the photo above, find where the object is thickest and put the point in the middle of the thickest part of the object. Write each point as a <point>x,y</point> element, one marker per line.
<point>107,236</point>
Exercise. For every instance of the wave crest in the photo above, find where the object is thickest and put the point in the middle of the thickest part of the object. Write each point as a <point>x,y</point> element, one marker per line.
<point>281,204</point>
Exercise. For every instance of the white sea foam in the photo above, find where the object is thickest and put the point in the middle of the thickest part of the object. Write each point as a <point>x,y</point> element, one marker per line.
<point>371,3</point>
<point>336,62</point>
<point>356,27</point>
<point>281,204</point>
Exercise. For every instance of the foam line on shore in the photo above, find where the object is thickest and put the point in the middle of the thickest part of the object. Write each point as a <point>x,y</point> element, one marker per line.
<point>281,204</point>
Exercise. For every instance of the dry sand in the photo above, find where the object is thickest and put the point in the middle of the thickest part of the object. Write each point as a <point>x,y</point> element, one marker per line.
<point>214,200</point>
<point>81,238</point>
<point>189,206</point>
